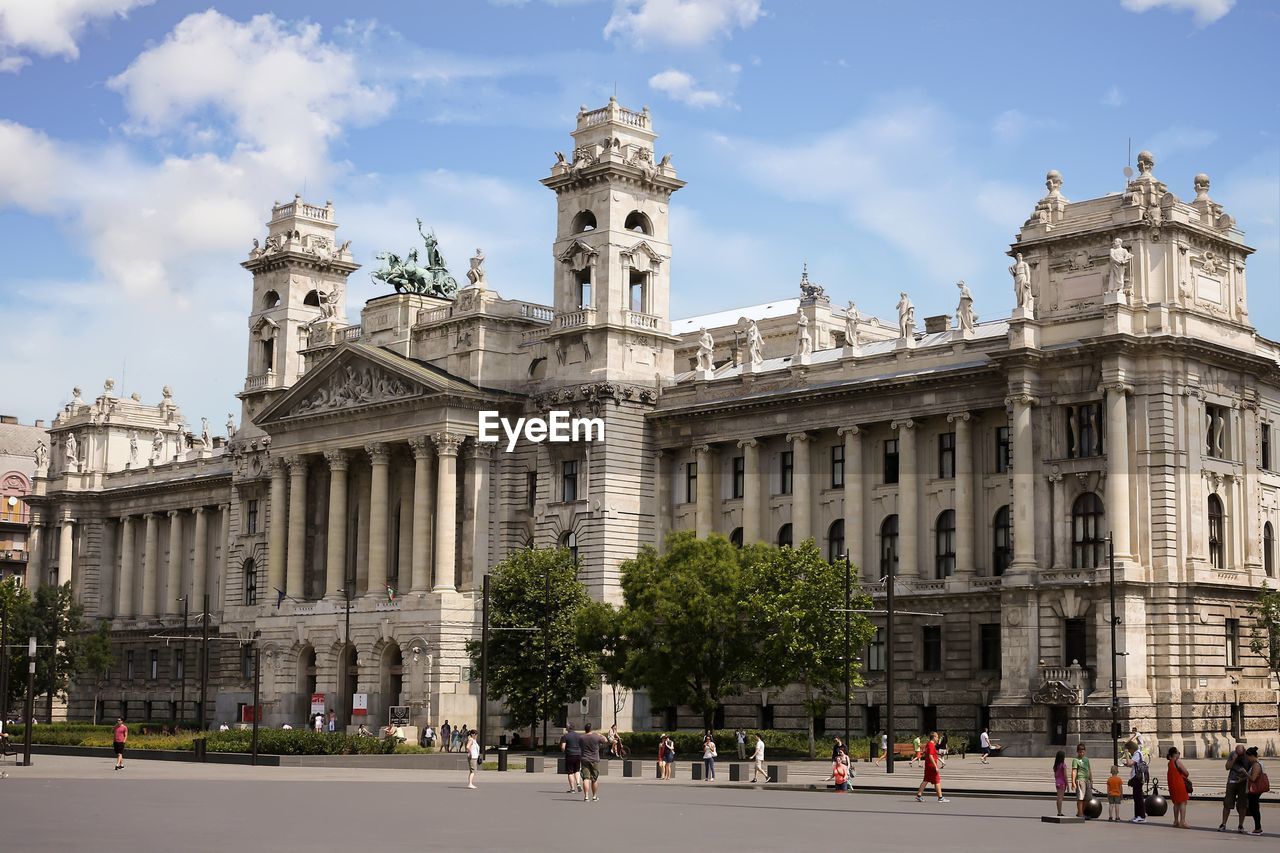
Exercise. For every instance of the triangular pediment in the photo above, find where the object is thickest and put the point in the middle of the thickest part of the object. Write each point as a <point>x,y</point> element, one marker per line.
<point>357,376</point>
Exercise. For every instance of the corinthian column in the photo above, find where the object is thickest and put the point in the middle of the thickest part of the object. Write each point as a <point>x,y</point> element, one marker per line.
<point>150,565</point>
<point>423,504</point>
<point>703,511</point>
<point>200,562</point>
<point>801,488</point>
<point>297,552</point>
<point>751,486</point>
<point>379,458</point>
<point>852,492</point>
<point>35,552</point>
<point>278,520</point>
<point>964,492</point>
<point>169,598</point>
<point>478,495</point>
<point>1117,507</point>
<point>446,508</point>
<point>126,593</point>
<point>1024,515</point>
<point>66,550</point>
<point>336,558</point>
<point>908,500</point>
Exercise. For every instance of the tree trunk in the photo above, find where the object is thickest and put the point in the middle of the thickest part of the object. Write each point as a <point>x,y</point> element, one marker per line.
<point>808,706</point>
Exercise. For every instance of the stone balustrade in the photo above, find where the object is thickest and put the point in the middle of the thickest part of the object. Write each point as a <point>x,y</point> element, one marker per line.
<point>638,320</point>
<point>573,319</point>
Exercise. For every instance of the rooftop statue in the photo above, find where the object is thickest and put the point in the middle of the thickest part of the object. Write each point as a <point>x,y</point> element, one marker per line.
<point>408,275</point>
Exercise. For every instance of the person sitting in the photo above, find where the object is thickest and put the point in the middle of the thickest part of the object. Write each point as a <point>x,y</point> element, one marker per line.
<point>363,731</point>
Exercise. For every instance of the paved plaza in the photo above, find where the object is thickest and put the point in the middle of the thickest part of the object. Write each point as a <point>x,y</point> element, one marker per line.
<point>72,804</point>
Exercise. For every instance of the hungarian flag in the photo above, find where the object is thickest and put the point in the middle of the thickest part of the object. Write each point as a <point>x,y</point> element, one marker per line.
<point>391,593</point>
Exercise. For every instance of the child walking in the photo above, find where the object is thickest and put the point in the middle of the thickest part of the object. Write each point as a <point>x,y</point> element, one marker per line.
<point>1115,794</point>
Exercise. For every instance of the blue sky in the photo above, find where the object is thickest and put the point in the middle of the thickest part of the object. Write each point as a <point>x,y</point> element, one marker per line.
<point>893,145</point>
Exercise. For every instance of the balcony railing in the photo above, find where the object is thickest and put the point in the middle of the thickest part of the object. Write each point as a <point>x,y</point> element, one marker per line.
<point>637,320</point>
<point>537,312</point>
<point>573,319</point>
<point>1063,685</point>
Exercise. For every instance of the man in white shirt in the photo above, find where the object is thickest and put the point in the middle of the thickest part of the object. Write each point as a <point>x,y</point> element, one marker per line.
<point>984,742</point>
<point>758,758</point>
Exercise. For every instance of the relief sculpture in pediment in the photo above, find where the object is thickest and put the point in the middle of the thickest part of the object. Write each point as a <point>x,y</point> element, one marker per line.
<point>354,386</point>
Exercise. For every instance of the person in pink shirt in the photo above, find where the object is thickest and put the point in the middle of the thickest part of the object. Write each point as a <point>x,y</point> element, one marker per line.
<point>120,736</point>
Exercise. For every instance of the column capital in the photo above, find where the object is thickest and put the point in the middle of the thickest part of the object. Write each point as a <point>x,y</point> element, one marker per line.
<point>198,510</point>
<point>421,446</point>
<point>476,450</point>
<point>793,437</point>
<point>124,519</point>
<point>852,429</point>
<point>748,442</point>
<point>277,466</point>
<point>701,449</point>
<point>904,423</point>
<point>447,443</point>
<point>1116,385</point>
<point>297,464</point>
<point>338,459</point>
<point>174,513</point>
<point>150,516</point>
<point>1020,399</point>
<point>958,417</point>
<point>379,453</point>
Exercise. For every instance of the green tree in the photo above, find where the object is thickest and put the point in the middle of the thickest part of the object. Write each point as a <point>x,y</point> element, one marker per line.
<point>15,604</point>
<point>1265,639</point>
<point>795,597</point>
<point>602,634</point>
<point>96,659</point>
<point>684,623</point>
<point>535,672</point>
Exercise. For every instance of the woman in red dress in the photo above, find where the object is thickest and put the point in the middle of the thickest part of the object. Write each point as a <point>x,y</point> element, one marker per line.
<point>932,764</point>
<point>1179,788</point>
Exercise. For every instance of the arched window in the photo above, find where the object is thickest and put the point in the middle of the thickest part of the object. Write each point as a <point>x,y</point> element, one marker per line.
<point>584,221</point>
<point>312,299</point>
<point>270,299</point>
<point>1217,549</point>
<point>1088,545</point>
<point>637,221</point>
<point>889,546</point>
<point>538,368</point>
<point>569,541</point>
<point>784,536</point>
<point>250,582</point>
<point>945,544</point>
<point>1269,549</point>
<point>835,541</point>
<point>735,538</point>
<point>1001,542</point>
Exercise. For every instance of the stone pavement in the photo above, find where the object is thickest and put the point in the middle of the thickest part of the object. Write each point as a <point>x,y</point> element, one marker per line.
<point>71,804</point>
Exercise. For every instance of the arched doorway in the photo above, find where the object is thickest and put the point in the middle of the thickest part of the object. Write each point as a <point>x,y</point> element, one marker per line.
<point>305,682</point>
<point>348,677</point>
<point>390,678</point>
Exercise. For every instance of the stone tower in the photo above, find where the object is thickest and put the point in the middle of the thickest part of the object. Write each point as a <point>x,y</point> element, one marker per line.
<point>299,291</point>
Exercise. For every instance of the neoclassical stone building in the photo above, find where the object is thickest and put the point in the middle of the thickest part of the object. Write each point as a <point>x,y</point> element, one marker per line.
<point>349,518</point>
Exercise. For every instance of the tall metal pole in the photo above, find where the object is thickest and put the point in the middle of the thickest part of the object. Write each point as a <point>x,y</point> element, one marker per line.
<point>182,689</point>
<point>1115,721</point>
<point>257,693</point>
<point>546,651</point>
<point>345,677</point>
<point>847,616</point>
<point>204,659</point>
<point>484,666</point>
<point>4,661</point>
<point>888,667</point>
<point>31,700</point>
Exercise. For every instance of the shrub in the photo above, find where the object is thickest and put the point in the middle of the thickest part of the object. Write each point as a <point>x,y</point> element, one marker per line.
<point>298,742</point>
<point>778,744</point>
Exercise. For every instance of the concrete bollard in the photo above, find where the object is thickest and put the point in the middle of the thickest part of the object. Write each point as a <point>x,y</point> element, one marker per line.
<point>560,769</point>
<point>534,764</point>
<point>632,768</point>
<point>740,772</point>
<point>777,772</point>
<point>696,771</point>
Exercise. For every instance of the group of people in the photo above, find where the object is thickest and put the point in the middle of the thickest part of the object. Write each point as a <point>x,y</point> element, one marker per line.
<point>452,738</point>
<point>582,760</point>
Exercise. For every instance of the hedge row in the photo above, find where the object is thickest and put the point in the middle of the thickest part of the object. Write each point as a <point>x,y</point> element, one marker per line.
<point>778,744</point>
<point>270,741</point>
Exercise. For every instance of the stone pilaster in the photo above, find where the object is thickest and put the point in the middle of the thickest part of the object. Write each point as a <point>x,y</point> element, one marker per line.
<point>66,550</point>
<point>380,459</point>
<point>752,490</point>
<point>447,445</point>
<point>150,565</point>
<point>423,506</point>
<point>126,593</point>
<point>964,493</point>
<point>297,552</point>
<point>1118,480</point>
<point>801,488</point>
<point>853,494</point>
<point>908,501</point>
<point>173,582</point>
<point>336,556</point>
<point>704,511</point>
<point>1024,486</point>
<point>200,563</point>
<point>277,524</point>
<point>35,551</point>
<point>478,495</point>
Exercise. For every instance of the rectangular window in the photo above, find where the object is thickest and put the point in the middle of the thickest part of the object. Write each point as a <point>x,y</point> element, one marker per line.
<point>873,725</point>
<point>1216,443</point>
<point>128,664</point>
<point>1233,643</point>
<point>584,289</point>
<point>837,466</point>
<point>739,476</point>
<point>1084,430</point>
<point>989,647</point>
<point>250,583</point>
<point>179,664</point>
<point>1003,448</point>
<point>531,487</point>
<point>786,466</point>
<point>931,646</point>
<point>947,456</point>
<point>251,517</point>
<point>891,460</point>
<point>690,482</point>
<point>875,652</point>
<point>928,718</point>
<point>1265,459</point>
<point>155,665</point>
<point>1074,642</point>
<point>569,480</point>
<point>1237,720</point>
<point>246,662</point>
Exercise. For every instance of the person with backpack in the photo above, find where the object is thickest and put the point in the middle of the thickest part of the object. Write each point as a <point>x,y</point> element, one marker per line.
<point>1138,775</point>
<point>1259,784</point>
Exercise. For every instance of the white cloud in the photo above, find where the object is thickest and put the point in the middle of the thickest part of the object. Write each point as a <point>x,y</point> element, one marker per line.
<point>1013,125</point>
<point>1113,97</point>
<point>1204,11</point>
<point>680,23</point>
<point>681,87</point>
<point>51,27</point>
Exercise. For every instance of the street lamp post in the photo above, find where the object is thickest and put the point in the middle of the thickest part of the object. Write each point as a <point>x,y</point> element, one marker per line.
<point>31,700</point>
<point>484,667</point>
<point>847,617</point>
<point>546,651</point>
<point>204,660</point>
<point>1115,711</point>
<point>257,693</point>
<point>4,661</point>
<point>888,667</point>
<point>182,687</point>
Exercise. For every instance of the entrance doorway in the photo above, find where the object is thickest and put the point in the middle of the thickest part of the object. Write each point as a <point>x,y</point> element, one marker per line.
<point>348,673</point>
<point>1059,718</point>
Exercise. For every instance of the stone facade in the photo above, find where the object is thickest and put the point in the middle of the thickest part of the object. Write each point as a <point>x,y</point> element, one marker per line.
<point>350,517</point>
